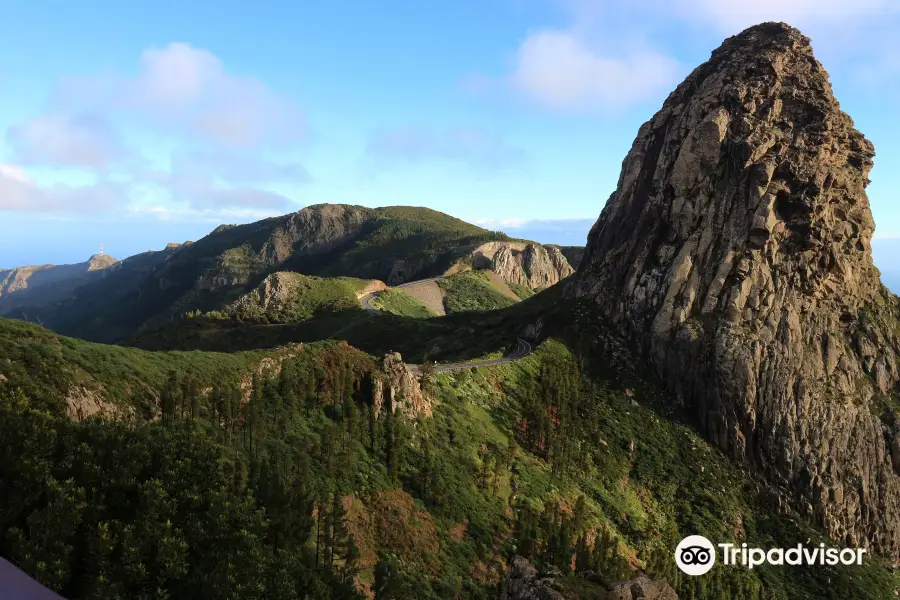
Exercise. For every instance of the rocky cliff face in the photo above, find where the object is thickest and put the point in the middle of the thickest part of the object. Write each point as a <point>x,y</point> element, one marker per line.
<point>531,265</point>
<point>44,284</point>
<point>735,253</point>
<point>396,388</point>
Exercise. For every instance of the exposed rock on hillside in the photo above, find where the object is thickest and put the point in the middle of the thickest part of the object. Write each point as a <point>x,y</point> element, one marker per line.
<point>396,388</point>
<point>642,588</point>
<point>285,297</point>
<point>531,265</point>
<point>573,254</point>
<point>735,252</point>
<point>523,582</point>
<point>83,402</point>
<point>45,284</point>
<point>310,232</point>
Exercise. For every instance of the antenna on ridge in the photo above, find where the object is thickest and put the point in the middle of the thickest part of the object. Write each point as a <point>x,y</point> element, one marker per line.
<point>101,248</point>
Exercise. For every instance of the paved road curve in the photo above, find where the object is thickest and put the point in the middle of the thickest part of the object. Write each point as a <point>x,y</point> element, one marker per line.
<point>522,350</point>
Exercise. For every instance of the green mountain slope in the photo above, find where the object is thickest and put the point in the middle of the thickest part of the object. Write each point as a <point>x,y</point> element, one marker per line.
<point>285,297</point>
<point>473,291</point>
<point>392,244</point>
<point>224,467</point>
<point>401,304</point>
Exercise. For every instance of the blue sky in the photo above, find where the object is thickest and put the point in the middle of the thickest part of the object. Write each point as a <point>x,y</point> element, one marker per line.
<point>136,124</point>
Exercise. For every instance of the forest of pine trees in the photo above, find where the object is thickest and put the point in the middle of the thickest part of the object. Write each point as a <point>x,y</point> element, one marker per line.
<point>243,488</point>
<point>267,487</point>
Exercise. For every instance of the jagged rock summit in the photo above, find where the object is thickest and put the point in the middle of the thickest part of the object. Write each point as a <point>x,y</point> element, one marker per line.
<point>735,254</point>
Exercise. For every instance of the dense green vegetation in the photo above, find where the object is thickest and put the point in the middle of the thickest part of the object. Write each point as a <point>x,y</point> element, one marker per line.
<point>398,303</point>
<point>286,297</point>
<point>427,241</point>
<point>472,291</point>
<point>288,482</point>
<point>522,291</point>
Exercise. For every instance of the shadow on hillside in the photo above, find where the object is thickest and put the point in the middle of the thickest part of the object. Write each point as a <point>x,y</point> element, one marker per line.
<point>455,337</point>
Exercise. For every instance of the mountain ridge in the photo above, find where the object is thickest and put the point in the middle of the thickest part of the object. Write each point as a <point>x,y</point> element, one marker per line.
<point>393,244</point>
<point>47,283</point>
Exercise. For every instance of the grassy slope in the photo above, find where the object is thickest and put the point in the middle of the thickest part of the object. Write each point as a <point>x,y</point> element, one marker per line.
<point>42,363</point>
<point>472,291</point>
<point>400,304</point>
<point>522,291</point>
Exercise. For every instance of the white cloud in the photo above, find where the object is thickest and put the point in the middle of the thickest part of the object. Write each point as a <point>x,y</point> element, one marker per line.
<point>19,193</point>
<point>189,90</point>
<point>494,224</point>
<point>81,141</point>
<point>558,69</point>
<point>14,173</point>
<point>221,130</point>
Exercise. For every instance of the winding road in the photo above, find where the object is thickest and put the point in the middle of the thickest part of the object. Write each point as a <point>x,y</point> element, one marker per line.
<point>523,348</point>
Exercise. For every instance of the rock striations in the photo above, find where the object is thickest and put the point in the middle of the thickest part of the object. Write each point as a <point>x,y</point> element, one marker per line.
<point>524,263</point>
<point>735,254</point>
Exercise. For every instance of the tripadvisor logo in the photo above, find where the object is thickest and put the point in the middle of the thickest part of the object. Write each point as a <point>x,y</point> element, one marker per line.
<point>696,555</point>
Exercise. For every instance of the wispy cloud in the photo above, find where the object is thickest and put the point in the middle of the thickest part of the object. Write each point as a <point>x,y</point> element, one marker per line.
<point>222,131</point>
<point>188,90</point>
<point>20,194</point>
<point>81,140</point>
<point>473,146</point>
<point>560,70</point>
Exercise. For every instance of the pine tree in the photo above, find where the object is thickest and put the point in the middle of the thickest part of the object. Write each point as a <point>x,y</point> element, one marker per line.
<point>169,398</point>
<point>351,561</point>
<point>339,533</point>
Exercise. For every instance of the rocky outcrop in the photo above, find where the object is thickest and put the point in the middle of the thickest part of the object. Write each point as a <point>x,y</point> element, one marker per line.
<point>396,388</point>
<point>735,254</point>
<point>573,254</point>
<point>270,296</point>
<point>531,265</point>
<point>523,582</point>
<point>642,588</point>
<point>45,284</point>
<point>83,403</point>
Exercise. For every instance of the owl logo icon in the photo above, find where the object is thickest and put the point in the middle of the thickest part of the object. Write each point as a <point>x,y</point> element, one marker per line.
<point>695,555</point>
